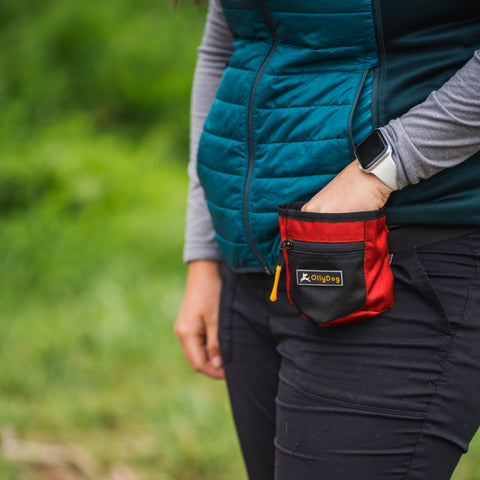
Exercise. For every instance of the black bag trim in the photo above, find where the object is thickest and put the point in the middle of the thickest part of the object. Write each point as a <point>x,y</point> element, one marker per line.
<point>293,210</point>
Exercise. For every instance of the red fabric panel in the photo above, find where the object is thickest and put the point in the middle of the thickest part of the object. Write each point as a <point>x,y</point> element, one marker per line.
<point>378,275</point>
<point>336,232</point>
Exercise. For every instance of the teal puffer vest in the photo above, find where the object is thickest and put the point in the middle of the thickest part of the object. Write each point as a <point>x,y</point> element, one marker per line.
<point>298,93</point>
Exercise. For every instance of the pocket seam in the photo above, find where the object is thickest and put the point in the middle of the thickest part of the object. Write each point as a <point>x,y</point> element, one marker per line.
<point>438,304</point>
<point>358,406</point>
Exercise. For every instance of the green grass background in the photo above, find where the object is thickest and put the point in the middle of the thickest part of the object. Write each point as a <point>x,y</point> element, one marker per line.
<point>93,152</point>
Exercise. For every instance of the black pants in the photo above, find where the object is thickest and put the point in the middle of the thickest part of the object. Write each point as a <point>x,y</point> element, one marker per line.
<point>395,397</point>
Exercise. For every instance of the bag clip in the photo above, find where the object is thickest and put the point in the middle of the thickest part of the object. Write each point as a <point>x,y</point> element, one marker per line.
<point>286,244</point>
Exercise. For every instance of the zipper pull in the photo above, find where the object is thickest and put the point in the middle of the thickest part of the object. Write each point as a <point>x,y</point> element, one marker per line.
<point>281,262</point>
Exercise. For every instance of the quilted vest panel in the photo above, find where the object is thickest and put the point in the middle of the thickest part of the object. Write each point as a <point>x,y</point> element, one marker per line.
<point>293,100</point>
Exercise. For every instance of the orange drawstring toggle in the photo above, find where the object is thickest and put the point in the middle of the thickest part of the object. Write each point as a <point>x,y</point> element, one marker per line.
<point>273,295</point>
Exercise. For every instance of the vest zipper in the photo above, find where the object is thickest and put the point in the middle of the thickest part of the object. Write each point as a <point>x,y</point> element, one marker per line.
<point>251,143</point>
<point>352,111</point>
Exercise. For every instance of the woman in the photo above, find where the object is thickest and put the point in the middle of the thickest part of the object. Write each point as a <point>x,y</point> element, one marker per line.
<point>290,88</point>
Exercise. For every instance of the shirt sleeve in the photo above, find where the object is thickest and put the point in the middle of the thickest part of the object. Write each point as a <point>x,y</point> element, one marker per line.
<point>440,132</point>
<point>213,54</point>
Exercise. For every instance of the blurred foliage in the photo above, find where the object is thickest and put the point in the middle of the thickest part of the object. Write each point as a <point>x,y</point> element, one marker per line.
<point>127,63</point>
<point>93,149</point>
<point>91,279</point>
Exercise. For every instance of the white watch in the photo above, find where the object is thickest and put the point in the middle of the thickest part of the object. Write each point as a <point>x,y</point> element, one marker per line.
<point>375,156</point>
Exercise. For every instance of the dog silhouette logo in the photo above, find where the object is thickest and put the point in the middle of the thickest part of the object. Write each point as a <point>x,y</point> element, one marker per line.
<point>305,277</point>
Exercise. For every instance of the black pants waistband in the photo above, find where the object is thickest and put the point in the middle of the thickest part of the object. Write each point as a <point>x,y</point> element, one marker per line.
<point>406,238</point>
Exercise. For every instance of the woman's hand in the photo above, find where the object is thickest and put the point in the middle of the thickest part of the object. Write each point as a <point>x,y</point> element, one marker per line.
<point>197,322</point>
<point>352,190</point>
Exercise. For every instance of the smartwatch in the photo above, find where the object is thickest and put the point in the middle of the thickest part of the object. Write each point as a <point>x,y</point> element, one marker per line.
<point>375,156</point>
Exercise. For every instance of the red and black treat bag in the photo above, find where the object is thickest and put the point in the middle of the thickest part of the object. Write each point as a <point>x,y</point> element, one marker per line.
<point>337,265</point>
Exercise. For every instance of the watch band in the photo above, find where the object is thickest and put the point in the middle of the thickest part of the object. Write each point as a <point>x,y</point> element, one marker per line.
<point>386,171</point>
<point>374,154</point>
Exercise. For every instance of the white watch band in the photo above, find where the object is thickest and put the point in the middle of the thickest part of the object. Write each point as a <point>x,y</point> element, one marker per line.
<point>386,171</point>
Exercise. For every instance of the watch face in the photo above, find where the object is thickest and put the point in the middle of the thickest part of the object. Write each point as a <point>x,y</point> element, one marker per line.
<point>371,149</point>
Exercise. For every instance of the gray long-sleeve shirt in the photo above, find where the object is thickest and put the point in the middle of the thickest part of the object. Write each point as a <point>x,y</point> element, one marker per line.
<point>439,133</point>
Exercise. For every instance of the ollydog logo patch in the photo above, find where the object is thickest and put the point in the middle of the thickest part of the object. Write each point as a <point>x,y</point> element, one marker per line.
<point>320,278</point>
